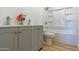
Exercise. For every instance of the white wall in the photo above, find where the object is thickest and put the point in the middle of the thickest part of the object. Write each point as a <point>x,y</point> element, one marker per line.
<point>33,13</point>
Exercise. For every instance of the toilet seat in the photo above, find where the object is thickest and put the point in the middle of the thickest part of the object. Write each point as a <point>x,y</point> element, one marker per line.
<point>49,35</point>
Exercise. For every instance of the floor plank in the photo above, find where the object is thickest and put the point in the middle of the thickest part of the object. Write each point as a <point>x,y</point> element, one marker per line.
<point>58,47</point>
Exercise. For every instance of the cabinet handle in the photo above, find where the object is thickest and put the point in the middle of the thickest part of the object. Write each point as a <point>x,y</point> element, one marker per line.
<point>38,28</point>
<point>15,32</point>
<point>19,32</point>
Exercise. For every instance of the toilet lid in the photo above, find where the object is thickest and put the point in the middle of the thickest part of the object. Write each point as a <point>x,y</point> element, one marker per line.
<point>49,34</point>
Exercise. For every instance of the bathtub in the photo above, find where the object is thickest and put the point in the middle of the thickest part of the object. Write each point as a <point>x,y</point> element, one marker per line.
<point>69,39</point>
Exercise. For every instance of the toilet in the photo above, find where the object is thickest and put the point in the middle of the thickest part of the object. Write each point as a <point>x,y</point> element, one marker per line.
<point>49,38</point>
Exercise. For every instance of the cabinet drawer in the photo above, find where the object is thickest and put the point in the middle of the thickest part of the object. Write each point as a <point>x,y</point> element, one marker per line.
<point>24,28</point>
<point>37,27</point>
<point>8,30</point>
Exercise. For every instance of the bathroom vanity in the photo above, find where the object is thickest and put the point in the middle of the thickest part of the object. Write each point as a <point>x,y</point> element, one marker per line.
<point>21,38</point>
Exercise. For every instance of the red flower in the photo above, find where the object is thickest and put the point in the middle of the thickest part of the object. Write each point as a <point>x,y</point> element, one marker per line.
<point>21,17</point>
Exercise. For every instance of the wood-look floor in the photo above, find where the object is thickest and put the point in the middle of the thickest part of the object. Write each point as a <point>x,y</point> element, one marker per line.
<point>58,47</point>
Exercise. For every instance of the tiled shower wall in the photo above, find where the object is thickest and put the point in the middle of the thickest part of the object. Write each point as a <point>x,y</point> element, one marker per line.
<point>61,21</point>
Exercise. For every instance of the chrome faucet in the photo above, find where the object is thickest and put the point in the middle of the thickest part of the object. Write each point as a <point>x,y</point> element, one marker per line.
<point>8,20</point>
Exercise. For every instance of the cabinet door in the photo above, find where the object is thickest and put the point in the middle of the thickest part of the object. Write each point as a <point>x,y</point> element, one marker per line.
<point>25,42</point>
<point>37,37</point>
<point>8,39</point>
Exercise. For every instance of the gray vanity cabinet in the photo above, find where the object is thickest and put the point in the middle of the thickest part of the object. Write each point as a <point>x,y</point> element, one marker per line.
<point>21,38</point>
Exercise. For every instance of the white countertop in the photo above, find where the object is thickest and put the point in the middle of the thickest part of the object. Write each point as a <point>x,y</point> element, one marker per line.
<point>18,25</point>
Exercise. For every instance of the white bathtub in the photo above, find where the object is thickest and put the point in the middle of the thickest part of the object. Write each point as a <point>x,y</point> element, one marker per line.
<point>69,39</point>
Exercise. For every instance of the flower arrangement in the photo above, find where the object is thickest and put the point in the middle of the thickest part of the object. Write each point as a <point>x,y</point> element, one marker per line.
<point>21,18</point>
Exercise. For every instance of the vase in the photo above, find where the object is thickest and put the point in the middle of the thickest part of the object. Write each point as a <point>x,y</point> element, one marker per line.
<point>20,23</point>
